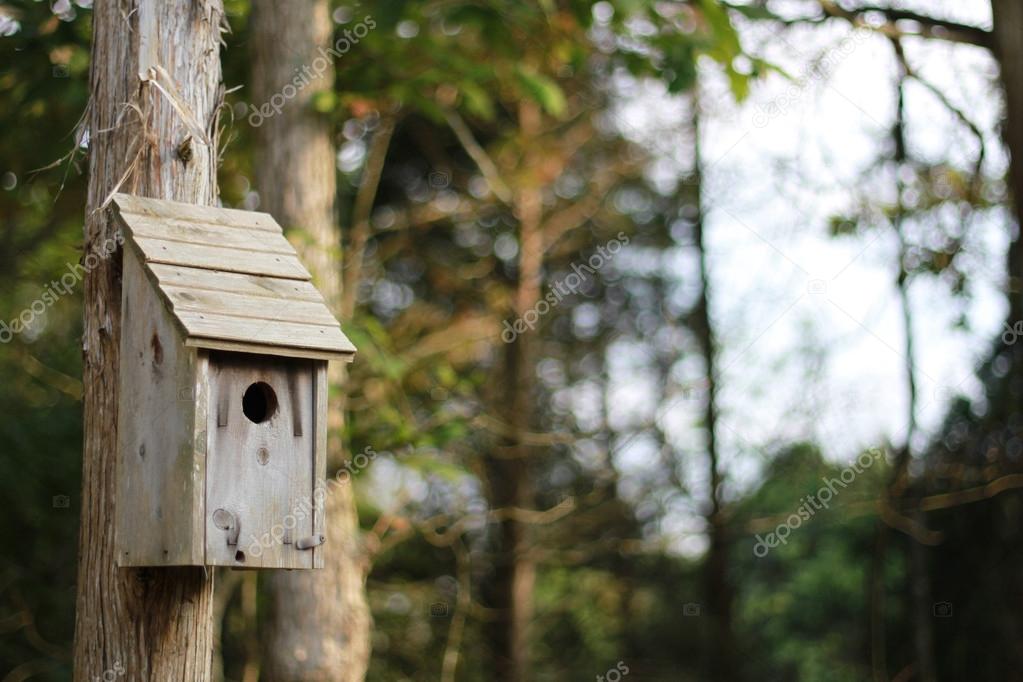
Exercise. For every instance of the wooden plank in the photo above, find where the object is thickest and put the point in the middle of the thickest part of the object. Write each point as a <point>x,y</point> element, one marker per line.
<point>233,282</point>
<point>260,474</point>
<point>266,332</point>
<point>260,349</point>
<point>320,487</point>
<point>220,258</point>
<point>200,425</point>
<point>174,229</point>
<point>253,307</point>
<point>229,217</point>
<point>159,463</point>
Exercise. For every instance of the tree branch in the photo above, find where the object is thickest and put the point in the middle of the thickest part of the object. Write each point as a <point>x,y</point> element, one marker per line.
<point>362,211</point>
<point>930,27</point>
<point>479,156</point>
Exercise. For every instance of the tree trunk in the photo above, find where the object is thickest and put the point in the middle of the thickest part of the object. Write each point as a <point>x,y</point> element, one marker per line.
<point>1008,38</point>
<point>507,470</point>
<point>144,624</point>
<point>718,585</point>
<point>318,621</point>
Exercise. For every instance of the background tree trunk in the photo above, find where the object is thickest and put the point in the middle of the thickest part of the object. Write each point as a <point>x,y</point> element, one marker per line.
<point>319,622</point>
<point>507,469</point>
<point>716,579</point>
<point>1008,38</point>
<point>146,624</point>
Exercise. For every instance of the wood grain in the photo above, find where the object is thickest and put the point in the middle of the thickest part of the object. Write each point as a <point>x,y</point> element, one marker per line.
<point>268,332</point>
<point>176,229</point>
<point>228,284</point>
<point>254,307</point>
<point>165,208</point>
<point>266,490</point>
<point>286,266</point>
<point>232,282</point>
<point>158,469</point>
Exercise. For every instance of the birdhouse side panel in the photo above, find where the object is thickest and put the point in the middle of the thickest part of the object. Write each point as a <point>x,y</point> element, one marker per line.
<point>161,439</point>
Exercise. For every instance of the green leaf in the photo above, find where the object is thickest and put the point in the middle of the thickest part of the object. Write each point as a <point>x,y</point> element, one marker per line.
<point>725,36</point>
<point>544,90</point>
<point>739,83</point>
<point>755,12</point>
<point>477,101</point>
<point>324,101</point>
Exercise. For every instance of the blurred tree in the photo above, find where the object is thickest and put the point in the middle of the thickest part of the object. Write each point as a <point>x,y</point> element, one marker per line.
<point>43,89</point>
<point>515,93</point>
<point>318,622</point>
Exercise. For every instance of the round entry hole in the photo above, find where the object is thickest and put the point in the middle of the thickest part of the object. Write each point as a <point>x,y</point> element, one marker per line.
<point>259,402</point>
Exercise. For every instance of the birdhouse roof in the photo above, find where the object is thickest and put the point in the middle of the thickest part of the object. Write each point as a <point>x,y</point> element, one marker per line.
<point>230,279</point>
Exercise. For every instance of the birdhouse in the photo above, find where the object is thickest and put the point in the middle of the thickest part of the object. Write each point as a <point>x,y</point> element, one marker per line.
<point>223,391</point>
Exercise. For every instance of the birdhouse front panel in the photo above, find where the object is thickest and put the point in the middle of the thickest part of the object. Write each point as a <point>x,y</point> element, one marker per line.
<point>223,391</point>
<point>261,462</point>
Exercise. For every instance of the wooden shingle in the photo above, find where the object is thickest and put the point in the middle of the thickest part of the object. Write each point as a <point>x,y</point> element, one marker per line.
<point>230,279</point>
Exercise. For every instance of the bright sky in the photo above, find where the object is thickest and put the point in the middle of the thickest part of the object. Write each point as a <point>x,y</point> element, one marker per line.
<point>787,295</point>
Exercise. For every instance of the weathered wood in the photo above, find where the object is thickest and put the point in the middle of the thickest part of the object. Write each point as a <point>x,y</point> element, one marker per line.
<point>227,285</point>
<point>254,307</point>
<point>209,215</point>
<point>277,351</point>
<point>322,487</point>
<point>270,332</point>
<point>209,257</point>
<point>233,282</point>
<point>262,474</point>
<point>175,229</point>
<point>159,469</point>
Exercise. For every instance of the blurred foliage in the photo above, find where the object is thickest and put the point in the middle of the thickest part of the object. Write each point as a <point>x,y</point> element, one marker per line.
<point>436,283</point>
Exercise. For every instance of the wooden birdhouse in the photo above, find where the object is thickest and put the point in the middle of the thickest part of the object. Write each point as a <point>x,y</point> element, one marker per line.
<point>223,391</point>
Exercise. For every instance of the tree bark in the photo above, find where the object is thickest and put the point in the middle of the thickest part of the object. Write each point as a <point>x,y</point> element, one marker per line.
<point>507,470</point>
<point>1008,39</point>
<point>144,624</point>
<point>319,622</point>
<point>718,585</point>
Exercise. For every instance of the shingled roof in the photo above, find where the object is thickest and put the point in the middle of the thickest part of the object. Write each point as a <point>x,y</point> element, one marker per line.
<point>230,279</point>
